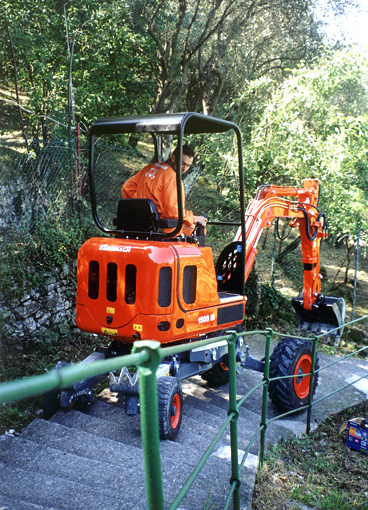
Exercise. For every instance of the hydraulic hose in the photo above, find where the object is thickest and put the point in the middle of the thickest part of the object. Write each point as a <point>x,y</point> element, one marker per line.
<point>260,190</point>
<point>311,237</point>
<point>281,238</point>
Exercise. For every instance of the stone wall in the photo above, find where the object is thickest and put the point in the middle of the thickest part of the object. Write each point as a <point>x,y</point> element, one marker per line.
<point>44,314</point>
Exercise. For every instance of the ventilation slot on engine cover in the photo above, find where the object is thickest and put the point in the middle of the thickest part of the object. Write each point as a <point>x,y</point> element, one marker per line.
<point>93,279</point>
<point>130,284</point>
<point>165,287</point>
<point>112,281</point>
<point>189,284</point>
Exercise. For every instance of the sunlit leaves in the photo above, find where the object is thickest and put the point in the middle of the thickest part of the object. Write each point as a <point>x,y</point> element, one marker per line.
<point>311,126</point>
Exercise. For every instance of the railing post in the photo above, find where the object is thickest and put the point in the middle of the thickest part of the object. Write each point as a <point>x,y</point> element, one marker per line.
<point>266,379</point>
<point>311,384</point>
<point>149,423</point>
<point>233,409</point>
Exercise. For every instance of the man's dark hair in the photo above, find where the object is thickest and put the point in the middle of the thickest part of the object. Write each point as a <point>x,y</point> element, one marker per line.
<point>187,150</point>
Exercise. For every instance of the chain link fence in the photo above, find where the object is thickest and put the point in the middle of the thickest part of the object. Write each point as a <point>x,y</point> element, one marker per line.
<point>35,182</point>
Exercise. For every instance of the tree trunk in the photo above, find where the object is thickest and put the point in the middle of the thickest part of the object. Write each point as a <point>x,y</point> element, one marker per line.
<point>16,86</point>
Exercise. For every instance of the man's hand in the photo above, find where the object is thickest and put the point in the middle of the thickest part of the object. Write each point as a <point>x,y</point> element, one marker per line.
<point>201,219</point>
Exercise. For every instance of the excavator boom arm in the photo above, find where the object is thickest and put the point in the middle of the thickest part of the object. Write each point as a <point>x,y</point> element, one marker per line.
<point>301,207</point>
<point>315,312</point>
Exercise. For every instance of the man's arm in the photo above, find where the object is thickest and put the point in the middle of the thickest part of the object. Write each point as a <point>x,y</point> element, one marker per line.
<point>170,203</point>
<point>129,190</point>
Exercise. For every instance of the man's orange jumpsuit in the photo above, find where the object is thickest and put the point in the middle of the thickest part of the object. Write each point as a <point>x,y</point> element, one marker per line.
<point>157,181</point>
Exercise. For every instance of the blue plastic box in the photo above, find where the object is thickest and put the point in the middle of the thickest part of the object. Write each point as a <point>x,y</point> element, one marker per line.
<point>357,437</point>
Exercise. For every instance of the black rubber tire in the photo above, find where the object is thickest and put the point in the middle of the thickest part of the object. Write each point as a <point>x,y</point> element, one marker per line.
<point>170,405</point>
<point>291,356</point>
<point>218,375</point>
<point>50,403</point>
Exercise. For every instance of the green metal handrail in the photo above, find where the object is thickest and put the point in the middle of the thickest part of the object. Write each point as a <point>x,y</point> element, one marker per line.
<point>146,356</point>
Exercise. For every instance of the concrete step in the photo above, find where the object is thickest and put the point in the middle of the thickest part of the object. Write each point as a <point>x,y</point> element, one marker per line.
<point>192,428</point>
<point>80,442</point>
<point>177,459</point>
<point>209,407</point>
<point>114,431</point>
<point>29,456</point>
<point>214,401</point>
<point>199,419</point>
<point>248,422</point>
<point>54,492</point>
<point>36,461</point>
<point>93,458</point>
<point>117,428</point>
<point>14,503</point>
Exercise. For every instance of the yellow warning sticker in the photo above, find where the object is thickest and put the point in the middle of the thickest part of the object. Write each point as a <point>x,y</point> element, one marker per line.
<point>137,327</point>
<point>110,310</point>
<point>109,331</point>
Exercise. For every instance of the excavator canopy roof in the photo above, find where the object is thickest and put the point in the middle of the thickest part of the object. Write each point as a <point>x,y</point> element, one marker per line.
<point>170,123</point>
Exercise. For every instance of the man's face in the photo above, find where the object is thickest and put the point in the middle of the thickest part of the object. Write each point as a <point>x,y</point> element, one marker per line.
<point>186,161</point>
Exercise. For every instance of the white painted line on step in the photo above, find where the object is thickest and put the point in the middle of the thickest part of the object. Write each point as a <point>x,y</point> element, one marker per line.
<point>224,452</point>
<point>361,385</point>
<point>364,367</point>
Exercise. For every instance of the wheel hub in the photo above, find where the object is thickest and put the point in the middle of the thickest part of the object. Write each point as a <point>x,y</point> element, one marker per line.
<point>175,411</point>
<point>301,383</point>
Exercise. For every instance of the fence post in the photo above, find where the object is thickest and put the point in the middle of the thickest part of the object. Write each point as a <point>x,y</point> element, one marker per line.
<point>311,383</point>
<point>233,409</point>
<point>356,272</point>
<point>149,423</point>
<point>266,379</point>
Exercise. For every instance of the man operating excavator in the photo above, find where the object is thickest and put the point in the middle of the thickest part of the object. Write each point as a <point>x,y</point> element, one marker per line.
<point>157,181</point>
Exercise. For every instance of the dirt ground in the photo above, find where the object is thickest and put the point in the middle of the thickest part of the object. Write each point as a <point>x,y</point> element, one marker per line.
<point>316,472</point>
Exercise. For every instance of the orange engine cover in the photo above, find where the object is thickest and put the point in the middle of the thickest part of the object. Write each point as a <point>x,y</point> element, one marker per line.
<point>134,289</point>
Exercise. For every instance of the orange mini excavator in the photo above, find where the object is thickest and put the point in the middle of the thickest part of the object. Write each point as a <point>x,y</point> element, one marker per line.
<point>144,280</point>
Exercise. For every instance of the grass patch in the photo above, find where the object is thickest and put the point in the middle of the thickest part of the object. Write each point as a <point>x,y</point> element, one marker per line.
<point>317,470</point>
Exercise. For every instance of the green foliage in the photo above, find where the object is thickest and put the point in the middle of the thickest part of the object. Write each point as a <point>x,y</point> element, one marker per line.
<point>274,304</point>
<point>135,57</point>
<point>33,361</point>
<point>310,126</point>
<point>108,62</point>
<point>29,258</point>
<point>273,296</point>
<point>16,416</point>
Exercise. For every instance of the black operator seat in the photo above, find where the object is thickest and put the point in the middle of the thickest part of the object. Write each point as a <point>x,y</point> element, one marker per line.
<point>140,216</point>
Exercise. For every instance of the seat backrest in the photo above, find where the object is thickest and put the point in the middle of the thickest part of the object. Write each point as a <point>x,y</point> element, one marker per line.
<point>137,215</point>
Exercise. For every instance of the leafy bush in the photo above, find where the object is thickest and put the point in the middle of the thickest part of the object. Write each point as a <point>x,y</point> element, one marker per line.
<point>28,258</point>
<point>273,302</point>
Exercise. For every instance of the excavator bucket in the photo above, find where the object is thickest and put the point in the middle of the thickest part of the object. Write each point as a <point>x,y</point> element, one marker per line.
<point>327,316</point>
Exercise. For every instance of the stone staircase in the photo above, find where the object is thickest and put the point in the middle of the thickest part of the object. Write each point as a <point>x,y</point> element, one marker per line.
<point>92,460</point>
